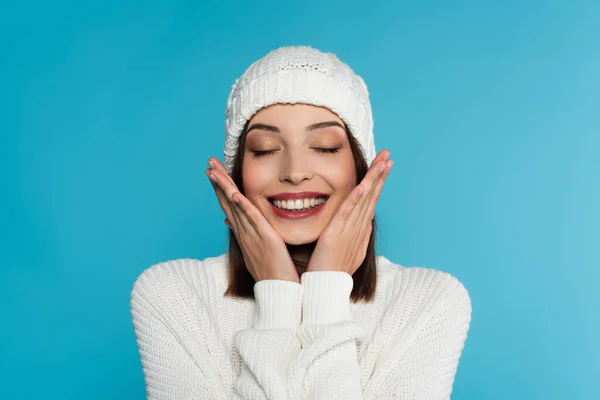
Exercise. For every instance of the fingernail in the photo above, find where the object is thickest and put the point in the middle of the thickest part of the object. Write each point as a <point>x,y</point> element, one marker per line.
<point>386,155</point>
<point>361,190</point>
<point>212,177</point>
<point>235,198</point>
<point>211,163</point>
<point>390,163</point>
<point>381,167</point>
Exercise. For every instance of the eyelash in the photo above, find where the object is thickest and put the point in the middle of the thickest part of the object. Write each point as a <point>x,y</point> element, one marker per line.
<point>328,151</point>
<point>260,153</point>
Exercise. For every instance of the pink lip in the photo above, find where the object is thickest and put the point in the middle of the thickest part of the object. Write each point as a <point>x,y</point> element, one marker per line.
<point>287,214</point>
<point>296,214</point>
<point>297,195</point>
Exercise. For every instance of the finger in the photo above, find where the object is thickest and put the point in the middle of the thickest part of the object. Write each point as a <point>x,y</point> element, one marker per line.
<point>225,190</point>
<point>378,183</point>
<point>246,215</point>
<point>217,185</point>
<point>224,202</point>
<point>215,164</point>
<point>362,210</point>
<point>358,194</point>
<point>376,193</point>
<point>228,187</point>
<point>251,218</point>
<point>374,179</point>
<point>346,208</point>
<point>218,191</point>
<point>383,155</point>
<point>236,219</point>
<point>368,185</point>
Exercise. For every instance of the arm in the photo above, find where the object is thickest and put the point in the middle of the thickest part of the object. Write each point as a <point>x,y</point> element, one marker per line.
<point>171,369</point>
<point>268,347</point>
<point>426,369</point>
<point>179,363</point>
<point>327,364</point>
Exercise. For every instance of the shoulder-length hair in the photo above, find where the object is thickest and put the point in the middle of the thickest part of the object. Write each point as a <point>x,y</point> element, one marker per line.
<point>241,282</point>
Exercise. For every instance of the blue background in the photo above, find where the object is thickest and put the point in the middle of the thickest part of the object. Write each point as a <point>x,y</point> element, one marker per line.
<point>110,111</point>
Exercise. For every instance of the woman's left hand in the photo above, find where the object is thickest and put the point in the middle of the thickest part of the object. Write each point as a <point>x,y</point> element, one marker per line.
<point>343,244</point>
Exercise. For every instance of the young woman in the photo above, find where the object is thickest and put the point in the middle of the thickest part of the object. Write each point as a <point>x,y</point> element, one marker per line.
<point>300,307</point>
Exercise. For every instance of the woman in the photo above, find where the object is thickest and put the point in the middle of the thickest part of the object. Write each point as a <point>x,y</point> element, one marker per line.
<point>300,307</point>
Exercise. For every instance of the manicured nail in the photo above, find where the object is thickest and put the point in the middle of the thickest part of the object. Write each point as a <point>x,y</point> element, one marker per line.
<point>235,198</point>
<point>212,177</point>
<point>386,155</point>
<point>390,163</point>
<point>381,167</point>
<point>361,190</point>
<point>211,163</point>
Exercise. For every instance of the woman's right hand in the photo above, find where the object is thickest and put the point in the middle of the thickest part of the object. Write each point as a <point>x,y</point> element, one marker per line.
<point>265,253</point>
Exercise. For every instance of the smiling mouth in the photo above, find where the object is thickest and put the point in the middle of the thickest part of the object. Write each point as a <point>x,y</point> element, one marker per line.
<point>299,205</point>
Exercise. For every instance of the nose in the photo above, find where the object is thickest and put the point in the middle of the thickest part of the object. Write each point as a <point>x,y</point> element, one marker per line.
<point>294,170</point>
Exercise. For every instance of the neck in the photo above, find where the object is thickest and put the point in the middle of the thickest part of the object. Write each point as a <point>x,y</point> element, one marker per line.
<point>301,255</point>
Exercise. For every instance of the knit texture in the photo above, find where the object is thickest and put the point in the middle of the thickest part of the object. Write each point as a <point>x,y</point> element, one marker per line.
<point>299,74</point>
<point>298,340</point>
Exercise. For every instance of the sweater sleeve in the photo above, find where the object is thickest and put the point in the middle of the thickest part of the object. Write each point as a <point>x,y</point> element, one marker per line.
<point>427,368</point>
<point>327,365</point>
<point>270,345</point>
<point>176,363</point>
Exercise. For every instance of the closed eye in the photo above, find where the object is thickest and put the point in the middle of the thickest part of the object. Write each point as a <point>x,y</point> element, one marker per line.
<point>327,150</point>
<point>260,153</point>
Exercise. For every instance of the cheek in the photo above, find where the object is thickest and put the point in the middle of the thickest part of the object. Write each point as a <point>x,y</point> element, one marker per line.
<point>341,175</point>
<point>256,178</point>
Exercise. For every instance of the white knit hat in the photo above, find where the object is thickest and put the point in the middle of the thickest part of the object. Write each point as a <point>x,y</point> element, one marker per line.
<point>299,74</point>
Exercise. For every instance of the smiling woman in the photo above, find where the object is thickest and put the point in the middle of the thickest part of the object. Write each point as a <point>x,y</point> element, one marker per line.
<point>300,307</point>
<point>322,160</point>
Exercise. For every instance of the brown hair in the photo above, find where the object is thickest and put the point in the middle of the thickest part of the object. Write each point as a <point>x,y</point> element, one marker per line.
<point>241,282</point>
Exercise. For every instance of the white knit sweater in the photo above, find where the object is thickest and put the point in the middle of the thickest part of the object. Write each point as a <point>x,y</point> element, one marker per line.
<point>298,340</point>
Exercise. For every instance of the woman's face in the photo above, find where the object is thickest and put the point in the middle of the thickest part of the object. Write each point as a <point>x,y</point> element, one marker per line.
<point>298,168</point>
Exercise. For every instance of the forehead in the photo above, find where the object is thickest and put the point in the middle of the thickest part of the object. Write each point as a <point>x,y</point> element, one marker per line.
<point>294,115</point>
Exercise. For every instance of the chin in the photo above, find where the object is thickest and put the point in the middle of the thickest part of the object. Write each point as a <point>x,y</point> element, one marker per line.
<point>299,237</point>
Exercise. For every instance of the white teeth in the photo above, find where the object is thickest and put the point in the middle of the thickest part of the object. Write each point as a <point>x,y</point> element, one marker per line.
<point>299,204</point>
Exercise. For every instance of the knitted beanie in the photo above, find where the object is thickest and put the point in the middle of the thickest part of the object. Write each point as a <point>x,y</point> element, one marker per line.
<point>299,74</point>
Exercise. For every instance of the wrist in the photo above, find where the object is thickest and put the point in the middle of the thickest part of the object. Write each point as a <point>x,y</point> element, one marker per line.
<point>278,304</point>
<point>326,297</point>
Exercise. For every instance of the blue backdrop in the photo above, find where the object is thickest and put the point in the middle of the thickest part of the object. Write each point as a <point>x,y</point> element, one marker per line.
<point>490,110</point>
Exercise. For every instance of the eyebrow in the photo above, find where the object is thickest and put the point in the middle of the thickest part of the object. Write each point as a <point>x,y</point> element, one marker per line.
<point>311,127</point>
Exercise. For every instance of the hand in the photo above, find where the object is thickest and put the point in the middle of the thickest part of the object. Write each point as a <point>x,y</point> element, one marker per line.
<point>265,253</point>
<point>343,244</point>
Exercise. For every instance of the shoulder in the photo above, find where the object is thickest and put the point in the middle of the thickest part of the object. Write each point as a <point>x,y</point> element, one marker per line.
<point>431,291</point>
<point>174,278</point>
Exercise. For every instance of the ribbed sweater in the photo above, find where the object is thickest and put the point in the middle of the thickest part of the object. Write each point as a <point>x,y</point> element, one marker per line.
<point>302,340</point>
